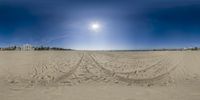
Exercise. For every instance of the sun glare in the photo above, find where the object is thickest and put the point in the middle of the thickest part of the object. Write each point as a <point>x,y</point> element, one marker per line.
<point>95,27</point>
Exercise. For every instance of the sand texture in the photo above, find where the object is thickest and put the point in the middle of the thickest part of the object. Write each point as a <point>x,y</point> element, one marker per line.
<point>98,75</point>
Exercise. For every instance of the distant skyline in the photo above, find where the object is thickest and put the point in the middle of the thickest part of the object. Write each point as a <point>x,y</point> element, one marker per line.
<point>101,24</point>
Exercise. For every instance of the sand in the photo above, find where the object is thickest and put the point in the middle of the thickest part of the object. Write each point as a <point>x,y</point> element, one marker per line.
<point>98,75</point>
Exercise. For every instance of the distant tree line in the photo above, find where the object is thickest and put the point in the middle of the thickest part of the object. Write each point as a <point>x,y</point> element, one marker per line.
<point>9,48</point>
<point>36,48</point>
<point>49,48</point>
<point>195,48</point>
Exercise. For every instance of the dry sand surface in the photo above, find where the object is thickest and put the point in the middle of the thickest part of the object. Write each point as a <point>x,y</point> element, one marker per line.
<point>96,75</point>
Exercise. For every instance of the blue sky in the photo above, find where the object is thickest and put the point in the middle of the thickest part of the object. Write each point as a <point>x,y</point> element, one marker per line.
<point>124,24</point>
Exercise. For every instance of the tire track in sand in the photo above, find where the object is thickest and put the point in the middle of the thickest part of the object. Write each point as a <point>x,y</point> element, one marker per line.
<point>134,71</point>
<point>69,73</point>
<point>132,80</point>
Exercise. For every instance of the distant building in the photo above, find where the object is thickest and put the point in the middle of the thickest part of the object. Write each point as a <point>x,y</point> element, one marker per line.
<point>18,48</point>
<point>27,47</point>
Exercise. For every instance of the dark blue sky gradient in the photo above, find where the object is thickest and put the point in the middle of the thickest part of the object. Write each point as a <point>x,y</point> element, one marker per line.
<point>125,24</point>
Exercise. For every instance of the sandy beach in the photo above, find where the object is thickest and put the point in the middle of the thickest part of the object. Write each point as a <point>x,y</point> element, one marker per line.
<point>98,75</point>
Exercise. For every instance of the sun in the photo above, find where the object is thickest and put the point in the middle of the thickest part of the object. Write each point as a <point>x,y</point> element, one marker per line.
<point>95,26</point>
